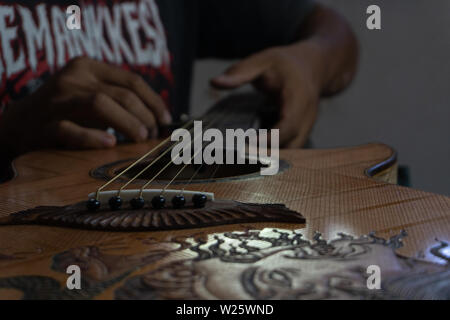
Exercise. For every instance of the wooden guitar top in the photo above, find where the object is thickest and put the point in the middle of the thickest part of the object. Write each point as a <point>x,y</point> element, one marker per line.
<point>350,190</point>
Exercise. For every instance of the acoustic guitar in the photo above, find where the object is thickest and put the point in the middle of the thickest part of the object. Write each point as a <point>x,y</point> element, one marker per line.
<point>314,230</point>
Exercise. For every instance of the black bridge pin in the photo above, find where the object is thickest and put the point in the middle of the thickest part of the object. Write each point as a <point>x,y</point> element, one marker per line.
<point>115,203</point>
<point>137,203</point>
<point>178,201</point>
<point>93,204</point>
<point>158,202</point>
<point>199,200</point>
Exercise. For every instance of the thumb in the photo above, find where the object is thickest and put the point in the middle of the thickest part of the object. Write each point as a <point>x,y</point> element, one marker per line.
<point>243,72</point>
<point>71,135</point>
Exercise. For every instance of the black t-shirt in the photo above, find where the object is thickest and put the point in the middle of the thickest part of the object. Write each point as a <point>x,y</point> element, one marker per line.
<point>159,39</point>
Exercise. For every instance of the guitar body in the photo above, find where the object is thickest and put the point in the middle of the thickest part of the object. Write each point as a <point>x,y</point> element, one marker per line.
<point>350,190</point>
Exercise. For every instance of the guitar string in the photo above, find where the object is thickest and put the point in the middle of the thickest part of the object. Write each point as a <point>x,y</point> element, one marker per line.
<point>212,175</point>
<point>204,184</point>
<point>179,171</point>
<point>171,161</point>
<point>153,162</point>
<point>195,173</point>
<point>143,170</point>
<point>147,167</point>
<point>136,162</point>
<point>191,178</point>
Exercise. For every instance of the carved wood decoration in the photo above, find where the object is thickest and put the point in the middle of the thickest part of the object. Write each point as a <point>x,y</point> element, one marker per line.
<point>286,266</point>
<point>252,264</point>
<point>219,212</point>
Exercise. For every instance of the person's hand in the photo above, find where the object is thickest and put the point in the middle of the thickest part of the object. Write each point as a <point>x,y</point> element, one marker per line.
<point>75,106</point>
<point>289,74</point>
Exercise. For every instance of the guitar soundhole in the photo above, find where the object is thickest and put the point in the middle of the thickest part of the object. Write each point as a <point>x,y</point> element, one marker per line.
<point>198,173</point>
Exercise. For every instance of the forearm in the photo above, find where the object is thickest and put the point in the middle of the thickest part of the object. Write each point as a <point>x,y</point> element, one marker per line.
<point>330,48</point>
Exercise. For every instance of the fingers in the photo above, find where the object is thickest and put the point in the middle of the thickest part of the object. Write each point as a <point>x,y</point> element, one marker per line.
<point>287,130</point>
<point>298,142</point>
<point>288,122</point>
<point>308,119</point>
<point>109,112</point>
<point>117,76</point>
<point>242,72</point>
<point>297,117</point>
<point>71,135</point>
<point>131,102</point>
<point>305,122</point>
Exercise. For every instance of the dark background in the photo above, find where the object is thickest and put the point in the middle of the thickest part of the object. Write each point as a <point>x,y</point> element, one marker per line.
<point>400,96</point>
